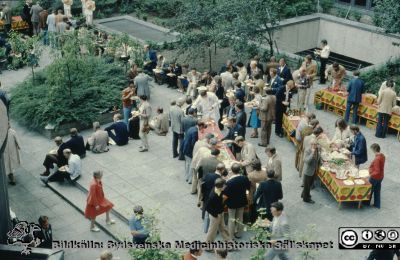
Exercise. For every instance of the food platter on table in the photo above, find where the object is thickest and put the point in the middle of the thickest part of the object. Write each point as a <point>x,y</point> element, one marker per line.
<point>359,181</point>
<point>348,182</point>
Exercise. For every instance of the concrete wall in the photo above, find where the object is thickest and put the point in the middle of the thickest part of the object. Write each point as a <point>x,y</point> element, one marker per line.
<point>352,39</point>
<point>358,42</point>
<point>295,37</point>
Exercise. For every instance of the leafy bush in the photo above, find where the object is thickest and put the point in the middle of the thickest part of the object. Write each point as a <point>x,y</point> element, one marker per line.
<point>374,78</point>
<point>356,15</point>
<point>151,223</point>
<point>63,94</point>
<point>326,5</point>
<point>161,8</point>
<point>299,8</point>
<point>341,12</point>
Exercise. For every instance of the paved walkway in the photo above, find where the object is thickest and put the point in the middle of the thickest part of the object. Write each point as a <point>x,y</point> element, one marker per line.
<point>155,180</point>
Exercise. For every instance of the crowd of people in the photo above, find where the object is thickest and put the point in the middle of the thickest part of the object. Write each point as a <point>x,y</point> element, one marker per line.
<point>247,190</point>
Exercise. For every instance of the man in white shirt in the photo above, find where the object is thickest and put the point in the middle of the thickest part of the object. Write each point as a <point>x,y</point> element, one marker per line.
<point>71,171</point>
<point>227,79</point>
<point>208,104</point>
<point>324,55</point>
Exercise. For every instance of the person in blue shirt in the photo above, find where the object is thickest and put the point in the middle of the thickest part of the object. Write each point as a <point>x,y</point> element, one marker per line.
<point>150,59</point>
<point>239,92</point>
<point>137,227</point>
<point>359,150</point>
<point>355,88</point>
<point>120,134</point>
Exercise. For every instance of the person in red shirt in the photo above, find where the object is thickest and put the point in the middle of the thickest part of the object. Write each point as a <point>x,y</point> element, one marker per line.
<point>376,172</point>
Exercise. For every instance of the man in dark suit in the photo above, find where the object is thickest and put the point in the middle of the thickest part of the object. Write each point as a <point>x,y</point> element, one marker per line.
<point>176,70</point>
<point>208,180</point>
<point>268,191</point>
<point>241,117</point>
<point>236,200</point>
<point>359,150</point>
<point>284,71</point>
<point>282,102</point>
<point>188,144</point>
<point>206,187</point>
<point>120,135</point>
<point>355,88</point>
<point>46,234</point>
<point>276,82</point>
<point>234,130</point>
<point>215,209</point>
<point>76,143</point>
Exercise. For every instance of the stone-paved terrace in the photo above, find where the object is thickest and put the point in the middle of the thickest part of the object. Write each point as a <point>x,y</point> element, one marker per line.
<point>155,180</point>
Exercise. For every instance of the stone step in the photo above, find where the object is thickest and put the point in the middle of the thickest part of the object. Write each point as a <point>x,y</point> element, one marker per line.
<point>75,195</point>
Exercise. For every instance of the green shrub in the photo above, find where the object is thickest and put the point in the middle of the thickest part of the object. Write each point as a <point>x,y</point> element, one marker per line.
<point>374,78</point>
<point>161,8</point>
<point>299,8</point>
<point>326,5</point>
<point>356,15</point>
<point>341,12</point>
<point>60,97</point>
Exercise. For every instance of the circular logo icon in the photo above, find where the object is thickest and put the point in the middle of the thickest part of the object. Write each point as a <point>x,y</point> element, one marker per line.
<point>349,238</point>
<point>380,234</point>
<point>367,235</point>
<point>392,235</point>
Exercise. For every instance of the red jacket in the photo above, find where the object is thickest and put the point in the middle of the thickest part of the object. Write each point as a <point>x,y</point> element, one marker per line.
<point>376,169</point>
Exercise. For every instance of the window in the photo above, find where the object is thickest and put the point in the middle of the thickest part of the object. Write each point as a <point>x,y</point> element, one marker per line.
<point>361,2</point>
<point>345,1</point>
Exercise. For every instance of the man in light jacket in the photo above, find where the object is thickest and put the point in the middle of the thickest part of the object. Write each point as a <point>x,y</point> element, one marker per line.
<point>386,101</point>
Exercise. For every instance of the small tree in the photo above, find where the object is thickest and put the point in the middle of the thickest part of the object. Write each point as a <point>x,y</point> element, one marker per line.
<point>256,21</point>
<point>387,15</point>
<point>202,26</point>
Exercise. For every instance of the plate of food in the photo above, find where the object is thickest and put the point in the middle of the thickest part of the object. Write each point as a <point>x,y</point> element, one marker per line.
<point>348,182</point>
<point>359,181</point>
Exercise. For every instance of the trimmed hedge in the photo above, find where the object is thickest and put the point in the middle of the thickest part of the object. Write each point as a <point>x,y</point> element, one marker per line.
<point>95,86</point>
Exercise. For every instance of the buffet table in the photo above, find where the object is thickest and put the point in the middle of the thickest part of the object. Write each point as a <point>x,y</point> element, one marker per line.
<point>16,24</point>
<point>335,101</point>
<point>226,154</point>
<point>339,188</point>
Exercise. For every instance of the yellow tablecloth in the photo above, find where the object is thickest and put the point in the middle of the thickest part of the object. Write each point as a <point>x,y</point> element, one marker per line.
<point>340,191</point>
<point>365,110</point>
